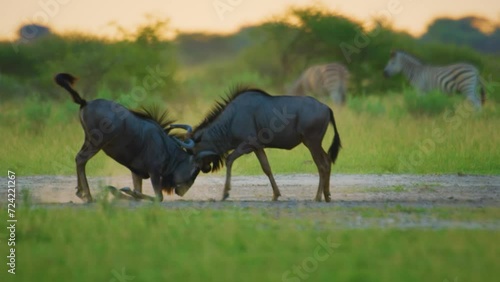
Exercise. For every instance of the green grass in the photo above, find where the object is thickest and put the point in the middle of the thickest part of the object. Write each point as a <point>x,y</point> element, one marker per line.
<point>389,141</point>
<point>153,243</point>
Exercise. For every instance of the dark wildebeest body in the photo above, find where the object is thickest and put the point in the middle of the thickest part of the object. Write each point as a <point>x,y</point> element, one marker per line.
<point>139,141</point>
<point>252,120</point>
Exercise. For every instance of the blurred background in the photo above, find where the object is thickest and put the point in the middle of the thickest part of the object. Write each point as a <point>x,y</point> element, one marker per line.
<point>215,43</point>
<point>181,56</point>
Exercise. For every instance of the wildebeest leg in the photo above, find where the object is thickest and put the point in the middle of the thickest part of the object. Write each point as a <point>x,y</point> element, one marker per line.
<point>155,181</point>
<point>229,164</point>
<point>82,189</point>
<point>323,163</point>
<point>136,195</point>
<point>264,163</point>
<point>137,181</point>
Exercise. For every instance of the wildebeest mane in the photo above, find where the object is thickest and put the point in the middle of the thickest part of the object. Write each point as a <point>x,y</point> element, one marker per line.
<point>217,109</point>
<point>220,106</point>
<point>154,114</point>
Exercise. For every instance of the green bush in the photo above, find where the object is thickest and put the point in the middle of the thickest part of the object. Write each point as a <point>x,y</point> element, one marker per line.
<point>288,44</point>
<point>369,105</point>
<point>36,113</point>
<point>430,104</point>
<point>140,58</point>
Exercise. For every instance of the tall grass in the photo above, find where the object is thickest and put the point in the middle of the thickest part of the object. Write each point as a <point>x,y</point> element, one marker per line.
<point>430,104</point>
<point>391,140</point>
<point>153,243</point>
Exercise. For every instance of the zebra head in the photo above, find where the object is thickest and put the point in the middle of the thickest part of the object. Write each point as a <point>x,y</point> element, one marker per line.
<point>401,61</point>
<point>394,66</point>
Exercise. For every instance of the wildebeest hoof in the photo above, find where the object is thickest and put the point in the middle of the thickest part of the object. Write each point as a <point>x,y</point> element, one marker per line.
<point>328,198</point>
<point>317,199</point>
<point>275,198</point>
<point>225,196</point>
<point>81,194</point>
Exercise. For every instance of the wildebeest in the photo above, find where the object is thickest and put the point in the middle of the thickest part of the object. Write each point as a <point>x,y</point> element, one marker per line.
<point>462,78</point>
<point>138,140</point>
<point>327,79</point>
<point>250,120</point>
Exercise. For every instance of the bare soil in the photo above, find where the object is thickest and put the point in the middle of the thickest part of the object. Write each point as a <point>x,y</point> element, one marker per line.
<point>413,198</point>
<point>420,190</point>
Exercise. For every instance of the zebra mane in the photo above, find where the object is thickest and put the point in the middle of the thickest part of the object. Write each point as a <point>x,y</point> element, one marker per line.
<point>409,57</point>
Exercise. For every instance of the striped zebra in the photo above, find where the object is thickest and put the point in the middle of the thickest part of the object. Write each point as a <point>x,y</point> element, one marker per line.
<point>462,78</point>
<point>328,79</point>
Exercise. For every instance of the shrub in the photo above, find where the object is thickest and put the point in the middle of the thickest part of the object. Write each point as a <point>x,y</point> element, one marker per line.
<point>369,105</point>
<point>36,113</point>
<point>430,104</point>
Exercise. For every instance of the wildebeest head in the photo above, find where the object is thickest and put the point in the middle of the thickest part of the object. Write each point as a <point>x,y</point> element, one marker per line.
<point>204,155</point>
<point>209,149</point>
<point>186,171</point>
<point>184,176</point>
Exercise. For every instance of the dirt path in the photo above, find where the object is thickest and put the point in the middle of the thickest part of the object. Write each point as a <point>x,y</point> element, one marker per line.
<point>393,197</point>
<point>346,190</point>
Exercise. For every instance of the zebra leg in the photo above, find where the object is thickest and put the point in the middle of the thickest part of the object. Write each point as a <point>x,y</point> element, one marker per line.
<point>336,96</point>
<point>473,97</point>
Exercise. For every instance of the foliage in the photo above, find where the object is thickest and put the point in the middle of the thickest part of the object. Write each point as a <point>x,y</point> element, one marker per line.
<point>430,104</point>
<point>197,48</point>
<point>36,113</point>
<point>371,106</point>
<point>283,47</point>
<point>476,32</point>
<point>118,65</point>
<point>277,50</point>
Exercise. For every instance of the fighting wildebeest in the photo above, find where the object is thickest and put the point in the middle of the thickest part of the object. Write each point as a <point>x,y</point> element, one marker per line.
<point>250,120</point>
<point>138,140</point>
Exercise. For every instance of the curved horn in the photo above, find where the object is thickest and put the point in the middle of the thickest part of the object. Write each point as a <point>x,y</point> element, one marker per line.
<point>188,144</point>
<point>187,127</point>
<point>203,154</point>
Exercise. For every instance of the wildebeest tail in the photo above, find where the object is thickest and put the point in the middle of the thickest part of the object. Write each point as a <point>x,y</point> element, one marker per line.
<point>66,80</point>
<point>333,152</point>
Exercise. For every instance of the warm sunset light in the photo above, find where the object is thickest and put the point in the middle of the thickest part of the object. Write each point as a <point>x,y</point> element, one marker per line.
<point>250,140</point>
<point>97,17</point>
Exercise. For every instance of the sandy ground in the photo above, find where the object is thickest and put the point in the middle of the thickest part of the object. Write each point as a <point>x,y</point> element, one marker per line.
<point>424,192</point>
<point>349,189</point>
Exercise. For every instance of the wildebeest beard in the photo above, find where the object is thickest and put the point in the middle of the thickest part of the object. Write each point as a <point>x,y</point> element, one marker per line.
<point>216,135</point>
